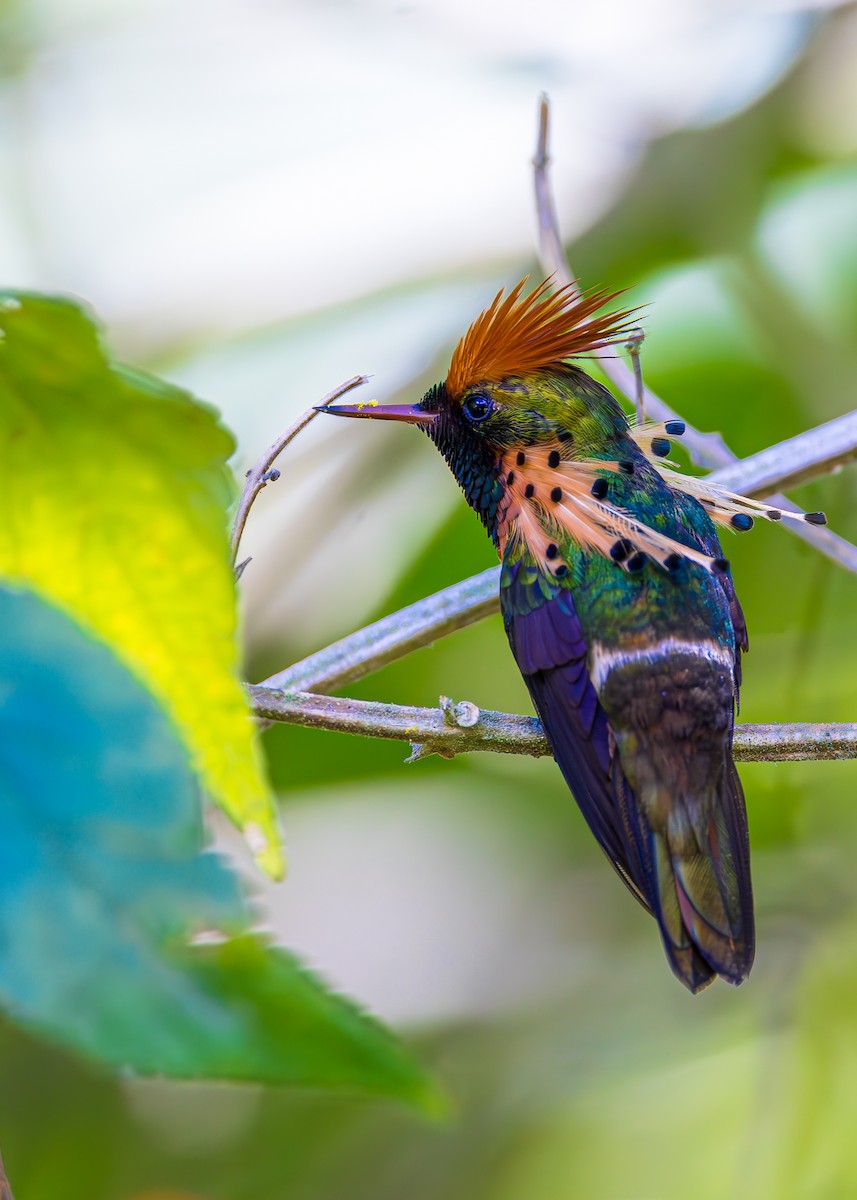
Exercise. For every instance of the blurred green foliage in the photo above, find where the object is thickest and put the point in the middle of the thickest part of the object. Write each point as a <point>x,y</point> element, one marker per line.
<point>588,1073</point>
<point>114,509</point>
<point>103,883</point>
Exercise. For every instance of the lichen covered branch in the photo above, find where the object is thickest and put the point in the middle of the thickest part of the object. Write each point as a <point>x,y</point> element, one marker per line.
<point>453,729</point>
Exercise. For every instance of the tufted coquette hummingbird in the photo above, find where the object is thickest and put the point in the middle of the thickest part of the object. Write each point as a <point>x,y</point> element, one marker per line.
<point>618,604</point>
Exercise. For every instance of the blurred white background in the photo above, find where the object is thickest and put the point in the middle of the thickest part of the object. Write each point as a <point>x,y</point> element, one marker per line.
<point>201,168</point>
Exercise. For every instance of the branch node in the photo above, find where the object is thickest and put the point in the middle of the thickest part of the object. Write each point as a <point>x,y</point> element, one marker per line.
<point>505,733</point>
<point>463,715</point>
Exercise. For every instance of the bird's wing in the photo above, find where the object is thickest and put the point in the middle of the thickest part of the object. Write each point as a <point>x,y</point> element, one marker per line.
<point>549,647</point>
<point>708,541</point>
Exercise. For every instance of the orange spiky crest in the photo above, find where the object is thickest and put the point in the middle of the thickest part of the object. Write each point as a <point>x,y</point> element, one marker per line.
<point>515,335</point>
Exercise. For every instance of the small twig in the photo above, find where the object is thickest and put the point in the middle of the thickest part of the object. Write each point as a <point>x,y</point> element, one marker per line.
<point>456,729</point>
<point>706,449</point>
<point>455,607</point>
<point>261,473</point>
<point>633,347</point>
<point>551,249</point>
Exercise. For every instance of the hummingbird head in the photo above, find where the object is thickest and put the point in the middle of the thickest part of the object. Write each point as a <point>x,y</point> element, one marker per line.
<point>509,388</point>
<point>542,451</point>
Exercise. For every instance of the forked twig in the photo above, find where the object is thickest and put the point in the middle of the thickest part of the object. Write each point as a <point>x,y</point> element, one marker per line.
<point>262,473</point>
<point>706,449</point>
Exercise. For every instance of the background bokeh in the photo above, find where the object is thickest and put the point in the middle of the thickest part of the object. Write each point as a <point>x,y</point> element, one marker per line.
<point>261,199</point>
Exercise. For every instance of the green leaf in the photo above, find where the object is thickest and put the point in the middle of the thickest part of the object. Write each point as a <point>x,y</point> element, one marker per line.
<point>293,1031</point>
<point>104,891</point>
<point>113,507</point>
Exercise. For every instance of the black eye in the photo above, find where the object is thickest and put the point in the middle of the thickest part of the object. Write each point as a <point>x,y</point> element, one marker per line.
<point>477,407</point>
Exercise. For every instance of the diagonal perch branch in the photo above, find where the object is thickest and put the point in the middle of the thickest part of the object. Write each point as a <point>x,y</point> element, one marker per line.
<point>437,731</point>
<point>823,450</point>
<point>393,637</point>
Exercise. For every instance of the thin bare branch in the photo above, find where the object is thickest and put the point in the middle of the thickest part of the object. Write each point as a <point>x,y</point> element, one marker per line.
<point>795,742</point>
<point>829,543</point>
<point>823,450</point>
<point>455,607</point>
<point>633,345</point>
<point>393,637</point>
<point>456,729</point>
<point>428,727</point>
<point>706,449</point>
<point>261,474</point>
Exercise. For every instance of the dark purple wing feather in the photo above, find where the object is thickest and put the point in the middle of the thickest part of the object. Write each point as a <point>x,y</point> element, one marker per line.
<point>550,650</point>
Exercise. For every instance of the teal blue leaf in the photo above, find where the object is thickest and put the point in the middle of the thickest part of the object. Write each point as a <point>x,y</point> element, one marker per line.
<point>113,507</point>
<point>104,884</point>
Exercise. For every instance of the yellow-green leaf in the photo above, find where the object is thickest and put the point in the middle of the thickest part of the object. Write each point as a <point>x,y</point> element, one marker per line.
<point>120,936</point>
<point>113,505</point>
